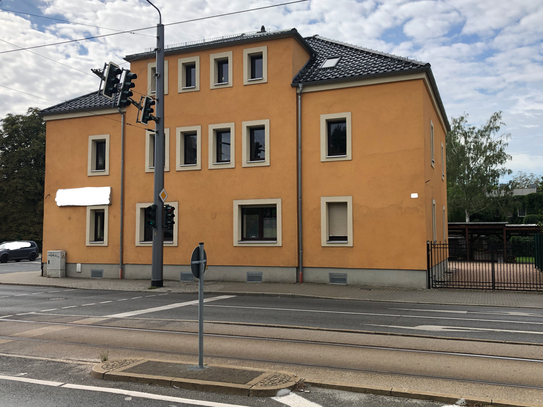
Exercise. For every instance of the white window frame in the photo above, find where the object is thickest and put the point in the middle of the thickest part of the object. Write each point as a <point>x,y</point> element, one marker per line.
<point>325,118</point>
<point>432,152</point>
<point>325,228</point>
<point>151,80</point>
<point>213,58</point>
<point>246,136</point>
<point>434,225</point>
<point>140,221</point>
<point>247,54</point>
<point>89,235</point>
<point>91,166</point>
<point>150,148</point>
<point>180,149</point>
<point>442,162</point>
<point>181,84</point>
<point>239,204</point>
<point>212,146</point>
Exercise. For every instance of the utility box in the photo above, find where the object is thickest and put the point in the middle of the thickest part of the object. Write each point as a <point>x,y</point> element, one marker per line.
<point>56,263</point>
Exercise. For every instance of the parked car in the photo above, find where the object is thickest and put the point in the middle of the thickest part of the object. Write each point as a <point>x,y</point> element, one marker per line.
<point>18,251</point>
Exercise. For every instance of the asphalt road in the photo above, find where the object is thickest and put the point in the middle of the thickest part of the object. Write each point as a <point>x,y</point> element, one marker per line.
<point>389,344</point>
<point>450,321</point>
<point>23,265</point>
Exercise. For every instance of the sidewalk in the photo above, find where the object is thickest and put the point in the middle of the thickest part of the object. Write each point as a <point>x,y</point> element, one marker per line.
<point>515,299</point>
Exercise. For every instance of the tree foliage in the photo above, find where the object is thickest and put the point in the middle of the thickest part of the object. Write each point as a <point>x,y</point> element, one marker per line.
<point>476,159</point>
<point>523,180</point>
<point>22,176</point>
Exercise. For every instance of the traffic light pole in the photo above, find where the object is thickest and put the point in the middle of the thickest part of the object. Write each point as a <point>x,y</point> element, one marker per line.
<point>158,236</point>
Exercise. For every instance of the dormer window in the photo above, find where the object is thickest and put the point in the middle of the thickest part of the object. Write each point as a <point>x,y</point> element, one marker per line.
<point>330,62</point>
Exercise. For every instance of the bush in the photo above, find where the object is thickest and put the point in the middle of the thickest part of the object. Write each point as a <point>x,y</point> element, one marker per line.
<point>532,219</point>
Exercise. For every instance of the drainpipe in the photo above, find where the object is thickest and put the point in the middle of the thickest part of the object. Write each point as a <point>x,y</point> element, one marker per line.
<point>300,273</point>
<point>122,198</point>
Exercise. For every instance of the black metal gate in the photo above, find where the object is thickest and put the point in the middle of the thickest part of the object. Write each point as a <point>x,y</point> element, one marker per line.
<point>486,265</point>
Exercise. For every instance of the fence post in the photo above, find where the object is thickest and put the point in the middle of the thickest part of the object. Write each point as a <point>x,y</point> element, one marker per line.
<point>492,261</point>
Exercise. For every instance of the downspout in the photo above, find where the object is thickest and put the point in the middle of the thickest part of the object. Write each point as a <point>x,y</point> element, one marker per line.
<point>122,199</point>
<point>300,272</point>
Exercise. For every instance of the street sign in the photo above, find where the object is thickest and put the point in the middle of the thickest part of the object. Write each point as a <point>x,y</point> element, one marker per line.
<point>195,262</point>
<point>163,195</point>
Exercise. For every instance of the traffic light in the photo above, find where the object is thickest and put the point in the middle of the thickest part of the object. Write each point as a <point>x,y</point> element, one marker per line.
<point>150,216</point>
<point>146,103</point>
<point>126,84</point>
<point>169,215</point>
<point>110,79</point>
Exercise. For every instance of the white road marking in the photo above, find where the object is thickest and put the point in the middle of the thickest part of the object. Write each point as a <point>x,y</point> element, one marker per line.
<point>6,316</point>
<point>166,307</point>
<point>20,295</point>
<point>374,314</point>
<point>123,299</point>
<point>147,296</point>
<point>293,400</point>
<point>86,305</point>
<point>110,390</point>
<point>497,313</point>
<point>70,306</point>
<point>438,328</point>
<point>135,298</point>
<point>105,302</point>
<point>47,310</point>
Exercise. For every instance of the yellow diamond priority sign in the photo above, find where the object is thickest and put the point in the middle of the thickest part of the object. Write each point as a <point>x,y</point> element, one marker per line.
<point>163,195</point>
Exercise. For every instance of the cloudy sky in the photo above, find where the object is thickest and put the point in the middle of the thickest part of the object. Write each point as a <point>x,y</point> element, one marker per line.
<point>486,55</point>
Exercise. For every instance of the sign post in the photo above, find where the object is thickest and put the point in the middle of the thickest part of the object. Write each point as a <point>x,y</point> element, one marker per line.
<point>198,263</point>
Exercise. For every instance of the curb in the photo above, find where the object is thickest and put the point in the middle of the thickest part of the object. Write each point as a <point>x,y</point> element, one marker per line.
<point>259,384</point>
<point>420,395</point>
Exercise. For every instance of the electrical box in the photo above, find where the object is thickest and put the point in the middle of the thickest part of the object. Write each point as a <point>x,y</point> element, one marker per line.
<point>56,263</point>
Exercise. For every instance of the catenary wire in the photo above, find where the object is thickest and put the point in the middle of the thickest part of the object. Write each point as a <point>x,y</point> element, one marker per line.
<point>149,28</point>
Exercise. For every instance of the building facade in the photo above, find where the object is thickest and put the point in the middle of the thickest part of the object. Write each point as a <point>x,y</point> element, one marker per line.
<point>280,151</point>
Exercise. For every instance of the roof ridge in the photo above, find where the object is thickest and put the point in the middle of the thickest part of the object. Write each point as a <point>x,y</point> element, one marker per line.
<point>386,54</point>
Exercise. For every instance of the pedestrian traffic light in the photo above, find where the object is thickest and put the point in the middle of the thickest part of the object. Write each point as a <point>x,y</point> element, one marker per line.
<point>169,216</point>
<point>110,79</point>
<point>150,216</point>
<point>126,84</point>
<point>146,103</point>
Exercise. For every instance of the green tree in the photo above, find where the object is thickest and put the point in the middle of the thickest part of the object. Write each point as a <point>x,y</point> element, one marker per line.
<point>22,176</point>
<point>476,160</point>
<point>523,180</point>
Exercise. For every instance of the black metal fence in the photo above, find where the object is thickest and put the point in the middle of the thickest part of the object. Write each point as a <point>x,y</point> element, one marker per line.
<point>486,266</point>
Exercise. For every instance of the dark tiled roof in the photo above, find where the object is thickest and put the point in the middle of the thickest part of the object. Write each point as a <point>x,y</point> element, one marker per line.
<point>224,41</point>
<point>90,101</point>
<point>354,62</point>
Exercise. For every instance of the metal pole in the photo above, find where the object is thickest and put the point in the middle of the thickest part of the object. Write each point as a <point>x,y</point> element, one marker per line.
<point>201,308</point>
<point>300,276</point>
<point>122,199</point>
<point>158,237</point>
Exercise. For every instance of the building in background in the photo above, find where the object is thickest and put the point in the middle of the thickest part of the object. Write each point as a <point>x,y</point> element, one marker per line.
<point>372,169</point>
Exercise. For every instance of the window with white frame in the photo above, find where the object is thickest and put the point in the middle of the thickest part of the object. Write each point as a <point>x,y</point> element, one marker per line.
<point>337,221</point>
<point>220,70</point>
<point>151,77</point>
<point>432,152</point>
<point>336,137</point>
<point>255,65</point>
<point>150,150</point>
<point>221,145</point>
<point>97,225</point>
<point>434,226</point>
<point>144,232</point>
<point>98,155</point>
<point>189,148</point>
<point>256,143</point>
<point>257,222</point>
<point>189,74</point>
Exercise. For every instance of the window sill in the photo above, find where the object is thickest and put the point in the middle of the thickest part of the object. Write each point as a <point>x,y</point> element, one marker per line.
<point>337,242</point>
<point>150,243</point>
<point>223,163</point>
<point>220,84</point>
<point>188,87</point>
<point>98,170</point>
<point>97,243</point>
<point>260,242</point>
<point>336,156</point>
<point>254,79</point>
<point>187,165</point>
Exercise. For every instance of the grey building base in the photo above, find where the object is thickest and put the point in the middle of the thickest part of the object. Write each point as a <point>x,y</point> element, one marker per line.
<point>384,278</point>
<point>439,271</point>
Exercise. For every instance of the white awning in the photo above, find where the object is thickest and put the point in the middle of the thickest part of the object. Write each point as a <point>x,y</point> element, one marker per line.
<point>84,196</point>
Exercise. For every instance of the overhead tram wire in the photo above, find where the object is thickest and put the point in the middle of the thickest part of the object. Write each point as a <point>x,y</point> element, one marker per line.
<point>66,21</point>
<point>150,28</point>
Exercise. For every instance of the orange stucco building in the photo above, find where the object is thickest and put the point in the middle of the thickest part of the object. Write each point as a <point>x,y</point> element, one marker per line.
<point>280,151</point>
